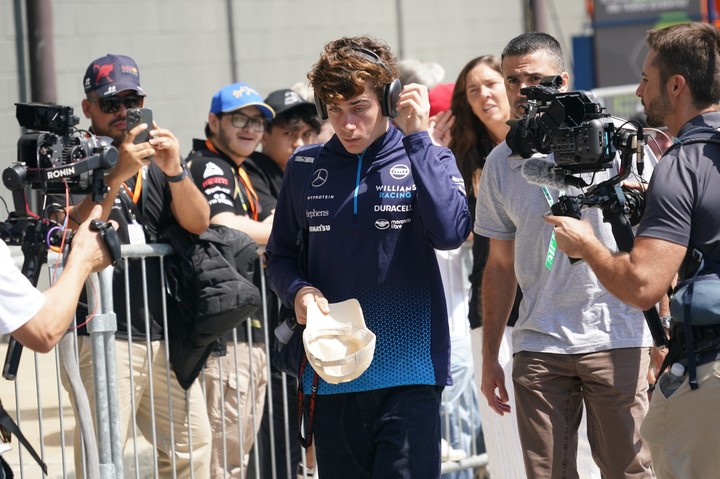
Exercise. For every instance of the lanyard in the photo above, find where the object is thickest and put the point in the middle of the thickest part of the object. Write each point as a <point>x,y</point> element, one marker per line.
<point>251,194</point>
<point>552,247</point>
<point>135,194</point>
<point>251,206</point>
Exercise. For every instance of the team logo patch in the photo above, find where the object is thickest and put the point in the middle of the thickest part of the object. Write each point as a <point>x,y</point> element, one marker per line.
<point>399,171</point>
<point>211,169</point>
<point>319,177</point>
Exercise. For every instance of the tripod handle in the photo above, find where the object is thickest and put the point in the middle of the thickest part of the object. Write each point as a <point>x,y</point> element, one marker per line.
<point>12,359</point>
<point>624,237</point>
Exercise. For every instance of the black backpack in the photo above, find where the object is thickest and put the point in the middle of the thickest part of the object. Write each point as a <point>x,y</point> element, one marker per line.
<point>209,280</point>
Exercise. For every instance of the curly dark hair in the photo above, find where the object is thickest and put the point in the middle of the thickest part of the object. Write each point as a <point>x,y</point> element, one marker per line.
<point>344,69</point>
<point>471,142</point>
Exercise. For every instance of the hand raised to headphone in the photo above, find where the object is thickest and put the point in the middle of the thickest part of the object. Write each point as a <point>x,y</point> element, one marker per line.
<point>413,109</point>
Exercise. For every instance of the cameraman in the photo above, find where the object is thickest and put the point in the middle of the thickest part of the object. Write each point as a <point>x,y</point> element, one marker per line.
<point>680,88</point>
<point>38,320</point>
<point>575,346</point>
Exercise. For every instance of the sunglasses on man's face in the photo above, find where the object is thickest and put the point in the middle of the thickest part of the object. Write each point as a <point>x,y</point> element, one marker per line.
<point>111,104</point>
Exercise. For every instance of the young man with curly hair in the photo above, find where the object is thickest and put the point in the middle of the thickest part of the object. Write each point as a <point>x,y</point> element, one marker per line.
<point>380,200</point>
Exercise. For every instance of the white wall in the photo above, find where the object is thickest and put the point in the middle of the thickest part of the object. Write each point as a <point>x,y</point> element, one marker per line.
<point>182,46</point>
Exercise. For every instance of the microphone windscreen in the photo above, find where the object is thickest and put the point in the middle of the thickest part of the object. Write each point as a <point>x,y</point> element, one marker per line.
<point>540,172</point>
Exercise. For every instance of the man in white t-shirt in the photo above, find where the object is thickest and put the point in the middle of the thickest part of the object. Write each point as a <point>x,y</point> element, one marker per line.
<point>38,319</point>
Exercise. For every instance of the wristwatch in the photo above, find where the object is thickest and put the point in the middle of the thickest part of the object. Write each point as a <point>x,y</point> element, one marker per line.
<point>179,177</point>
<point>665,320</point>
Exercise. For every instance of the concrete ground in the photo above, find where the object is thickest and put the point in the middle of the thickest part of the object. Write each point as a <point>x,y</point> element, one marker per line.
<point>54,433</point>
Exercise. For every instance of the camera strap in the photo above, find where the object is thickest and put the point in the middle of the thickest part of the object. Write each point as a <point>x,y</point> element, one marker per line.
<point>8,426</point>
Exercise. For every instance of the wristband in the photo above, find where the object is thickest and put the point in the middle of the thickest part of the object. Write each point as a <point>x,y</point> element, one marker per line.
<point>177,178</point>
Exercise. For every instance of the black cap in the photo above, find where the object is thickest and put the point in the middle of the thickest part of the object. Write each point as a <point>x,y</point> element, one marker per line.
<point>285,100</point>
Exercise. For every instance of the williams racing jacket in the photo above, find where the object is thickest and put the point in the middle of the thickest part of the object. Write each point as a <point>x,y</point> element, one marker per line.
<point>374,220</point>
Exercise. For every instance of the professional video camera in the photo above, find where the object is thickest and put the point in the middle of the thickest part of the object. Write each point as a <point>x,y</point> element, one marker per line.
<point>54,156</point>
<point>571,125</point>
<point>583,139</point>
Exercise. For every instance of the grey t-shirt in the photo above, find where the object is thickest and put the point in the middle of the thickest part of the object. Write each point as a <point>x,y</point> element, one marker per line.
<point>565,309</point>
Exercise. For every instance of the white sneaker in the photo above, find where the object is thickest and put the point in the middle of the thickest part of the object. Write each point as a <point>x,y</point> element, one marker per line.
<point>449,453</point>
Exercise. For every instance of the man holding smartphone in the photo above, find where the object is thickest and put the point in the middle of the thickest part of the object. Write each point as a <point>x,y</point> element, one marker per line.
<point>144,197</point>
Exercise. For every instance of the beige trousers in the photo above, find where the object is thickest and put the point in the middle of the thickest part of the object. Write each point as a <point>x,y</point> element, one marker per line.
<point>235,387</point>
<point>166,415</point>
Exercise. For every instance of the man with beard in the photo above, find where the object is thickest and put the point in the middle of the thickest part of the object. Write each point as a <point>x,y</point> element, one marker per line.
<point>680,88</point>
<point>144,197</point>
<point>575,346</point>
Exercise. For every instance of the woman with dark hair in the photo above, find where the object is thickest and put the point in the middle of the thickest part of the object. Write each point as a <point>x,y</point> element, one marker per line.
<point>474,125</point>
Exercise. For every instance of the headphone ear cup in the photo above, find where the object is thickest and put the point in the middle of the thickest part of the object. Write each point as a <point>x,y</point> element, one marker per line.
<point>321,109</point>
<point>391,95</point>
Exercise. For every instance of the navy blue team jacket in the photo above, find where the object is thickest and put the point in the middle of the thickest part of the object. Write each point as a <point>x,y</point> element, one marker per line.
<point>374,220</point>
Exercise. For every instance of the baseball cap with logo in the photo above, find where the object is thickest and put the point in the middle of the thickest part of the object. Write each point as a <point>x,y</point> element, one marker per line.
<point>112,74</point>
<point>339,346</point>
<point>236,96</point>
<point>285,100</point>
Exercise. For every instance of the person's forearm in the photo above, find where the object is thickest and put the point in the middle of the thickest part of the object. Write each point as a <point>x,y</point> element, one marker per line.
<point>50,323</point>
<point>189,206</point>
<point>258,231</point>
<point>498,295</point>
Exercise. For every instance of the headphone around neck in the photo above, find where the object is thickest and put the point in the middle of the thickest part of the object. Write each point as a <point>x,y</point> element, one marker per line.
<point>390,92</point>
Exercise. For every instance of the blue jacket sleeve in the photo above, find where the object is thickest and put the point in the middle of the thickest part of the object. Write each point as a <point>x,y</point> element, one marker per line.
<point>441,195</point>
<point>283,250</point>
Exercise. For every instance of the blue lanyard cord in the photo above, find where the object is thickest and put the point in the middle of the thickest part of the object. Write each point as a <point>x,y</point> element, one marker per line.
<point>357,181</point>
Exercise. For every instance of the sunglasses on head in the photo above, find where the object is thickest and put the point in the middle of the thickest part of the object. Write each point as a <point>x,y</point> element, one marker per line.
<point>111,104</point>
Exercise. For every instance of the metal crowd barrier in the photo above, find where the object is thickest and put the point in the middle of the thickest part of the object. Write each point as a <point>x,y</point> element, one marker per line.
<point>40,404</point>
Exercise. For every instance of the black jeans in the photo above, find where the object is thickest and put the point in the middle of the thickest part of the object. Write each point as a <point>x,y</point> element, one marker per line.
<point>387,433</point>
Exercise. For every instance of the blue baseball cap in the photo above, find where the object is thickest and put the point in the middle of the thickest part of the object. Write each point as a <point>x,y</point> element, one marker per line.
<point>236,96</point>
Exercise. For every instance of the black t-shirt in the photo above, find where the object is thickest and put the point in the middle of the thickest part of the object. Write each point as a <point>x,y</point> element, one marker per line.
<point>682,202</point>
<point>153,212</point>
<point>215,174</point>
<point>266,177</point>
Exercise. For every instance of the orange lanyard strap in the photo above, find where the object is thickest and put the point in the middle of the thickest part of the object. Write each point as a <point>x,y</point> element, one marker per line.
<point>252,197</point>
<point>135,194</point>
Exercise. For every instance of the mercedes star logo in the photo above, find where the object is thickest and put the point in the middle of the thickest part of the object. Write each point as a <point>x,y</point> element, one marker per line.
<point>319,177</point>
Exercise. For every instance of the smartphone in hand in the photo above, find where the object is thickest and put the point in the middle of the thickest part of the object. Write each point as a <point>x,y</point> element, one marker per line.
<point>137,116</point>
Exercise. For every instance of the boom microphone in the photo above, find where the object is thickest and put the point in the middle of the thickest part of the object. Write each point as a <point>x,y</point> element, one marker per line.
<point>542,172</point>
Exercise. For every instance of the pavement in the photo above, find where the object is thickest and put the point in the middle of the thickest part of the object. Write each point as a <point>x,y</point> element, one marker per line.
<point>45,418</point>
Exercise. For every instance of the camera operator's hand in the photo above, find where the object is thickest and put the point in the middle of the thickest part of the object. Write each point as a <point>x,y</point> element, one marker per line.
<point>88,247</point>
<point>167,151</point>
<point>413,109</point>
<point>575,237</point>
<point>304,297</point>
